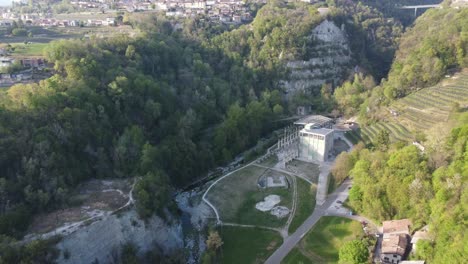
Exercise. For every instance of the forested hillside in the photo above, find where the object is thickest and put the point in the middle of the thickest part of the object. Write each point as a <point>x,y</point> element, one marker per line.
<point>165,106</point>
<point>429,188</point>
<point>436,44</point>
<point>125,107</point>
<point>396,181</point>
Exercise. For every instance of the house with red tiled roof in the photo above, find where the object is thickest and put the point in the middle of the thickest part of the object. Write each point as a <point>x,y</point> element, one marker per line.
<point>396,235</point>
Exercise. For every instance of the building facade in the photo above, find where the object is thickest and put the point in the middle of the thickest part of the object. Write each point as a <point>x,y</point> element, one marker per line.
<point>315,144</point>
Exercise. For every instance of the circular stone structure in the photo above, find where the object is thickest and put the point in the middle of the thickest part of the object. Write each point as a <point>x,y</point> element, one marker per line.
<point>268,203</point>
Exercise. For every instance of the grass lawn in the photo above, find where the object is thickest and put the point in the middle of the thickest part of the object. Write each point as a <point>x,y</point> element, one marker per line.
<point>247,245</point>
<point>33,49</point>
<point>322,244</point>
<point>305,204</point>
<point>236,195</point>
<point>248,214</point>
<point>309,170</point>
<point>296,257</point>
<point>270,161</point>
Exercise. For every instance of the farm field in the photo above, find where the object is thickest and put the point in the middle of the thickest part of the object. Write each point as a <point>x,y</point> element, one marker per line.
<point>42,36</point>
<point>30,49</point>
<point>322,243</point>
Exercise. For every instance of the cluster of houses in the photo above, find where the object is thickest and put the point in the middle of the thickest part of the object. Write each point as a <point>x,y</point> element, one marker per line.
<point>52,22</point>
<point>226,11</point>
<point>397,241</point>
<point>23,75</point>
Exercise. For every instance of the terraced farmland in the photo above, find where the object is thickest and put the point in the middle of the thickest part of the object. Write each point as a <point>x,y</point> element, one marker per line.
<point>397,132</point>
<point>429,106</point>
<point>419,111</point>
<point>369,133</point>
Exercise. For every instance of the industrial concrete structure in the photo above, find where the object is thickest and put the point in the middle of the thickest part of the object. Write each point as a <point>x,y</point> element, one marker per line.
<point>315,144</point>
<point>318,121</point>
<point>311,140</point>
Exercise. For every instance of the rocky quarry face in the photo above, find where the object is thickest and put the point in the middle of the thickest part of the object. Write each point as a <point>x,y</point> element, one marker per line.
<point>329,59</point>
<point>102,240</point>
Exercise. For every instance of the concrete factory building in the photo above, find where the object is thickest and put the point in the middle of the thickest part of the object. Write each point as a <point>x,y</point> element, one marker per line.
<point>311,139</point>
<point>315,143</point>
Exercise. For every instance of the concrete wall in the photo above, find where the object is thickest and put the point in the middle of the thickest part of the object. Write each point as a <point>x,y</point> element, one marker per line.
<point>312,148</point>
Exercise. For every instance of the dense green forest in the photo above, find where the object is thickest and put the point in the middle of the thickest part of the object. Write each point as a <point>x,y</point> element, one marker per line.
<point>125,107</point>
<point>429,188</point>
<point>435,46</point>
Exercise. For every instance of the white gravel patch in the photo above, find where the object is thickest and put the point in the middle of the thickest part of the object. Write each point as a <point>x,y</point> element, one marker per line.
<point>269,202</point>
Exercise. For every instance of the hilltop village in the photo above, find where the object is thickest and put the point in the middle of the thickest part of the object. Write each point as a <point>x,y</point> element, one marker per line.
<point>101,13</point>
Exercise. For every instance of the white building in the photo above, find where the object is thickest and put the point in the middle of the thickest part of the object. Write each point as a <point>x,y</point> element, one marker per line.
<point>5,61</point>
<point>315,144</point>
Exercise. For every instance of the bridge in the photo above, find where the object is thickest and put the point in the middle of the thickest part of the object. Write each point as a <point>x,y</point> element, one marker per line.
<point>416,7</point>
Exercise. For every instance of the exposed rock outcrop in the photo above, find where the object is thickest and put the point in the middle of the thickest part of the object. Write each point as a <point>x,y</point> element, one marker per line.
<point>102,240</point>
<point>328,60</point>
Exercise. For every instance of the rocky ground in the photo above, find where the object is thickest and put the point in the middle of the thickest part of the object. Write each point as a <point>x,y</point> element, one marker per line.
<point>102,240</point>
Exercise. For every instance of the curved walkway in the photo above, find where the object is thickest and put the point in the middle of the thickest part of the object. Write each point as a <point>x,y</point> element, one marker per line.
<point>320,210</point>
<point>215,182</point>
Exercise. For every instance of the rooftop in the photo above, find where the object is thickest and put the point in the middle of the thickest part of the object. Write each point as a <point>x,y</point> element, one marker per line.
<point>316,119</point>
<point>317,131</point>
<point>397,226</point>
<point>394,244</point>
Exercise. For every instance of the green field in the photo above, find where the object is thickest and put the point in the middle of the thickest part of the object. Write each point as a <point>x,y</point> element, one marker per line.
<point>247,245</point>
<point>305,204</point>
<point>235,197</point>
<point>308,170</point>
<point>322,243</point>
<point>32,49</point>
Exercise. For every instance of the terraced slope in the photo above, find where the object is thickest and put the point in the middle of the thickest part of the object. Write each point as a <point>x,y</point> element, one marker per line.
<point>419,111</point>
<point>429,106</point>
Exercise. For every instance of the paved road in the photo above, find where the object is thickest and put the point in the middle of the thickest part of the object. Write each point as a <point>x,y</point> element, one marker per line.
<point>320,210</point>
